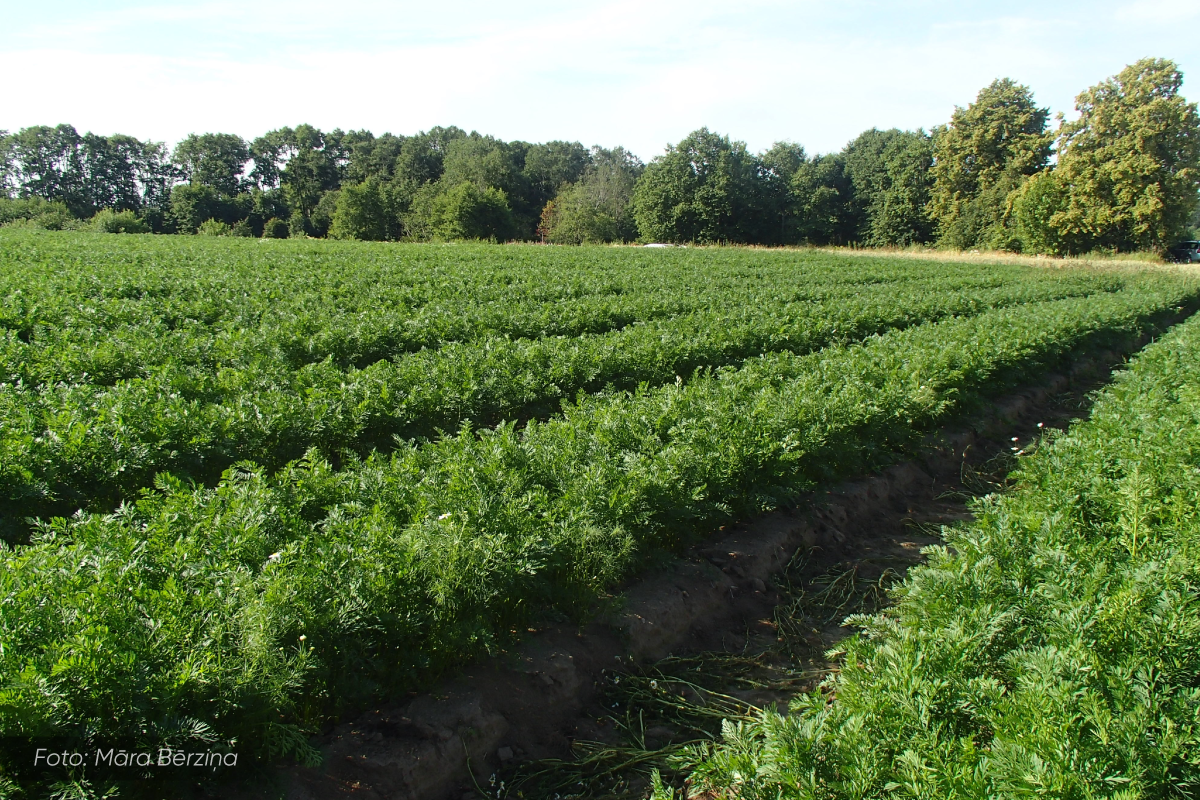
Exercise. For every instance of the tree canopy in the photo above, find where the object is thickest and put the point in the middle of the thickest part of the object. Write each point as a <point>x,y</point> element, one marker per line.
<point>1126,176</point>
<point>986,151</point>
<point>704,189</point>
<point>1131,162</point>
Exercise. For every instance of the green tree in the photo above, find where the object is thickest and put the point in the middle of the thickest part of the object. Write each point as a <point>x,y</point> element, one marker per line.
<point>550,166</point>
<point>422,157</point>
<point>488,162</point>
<point>305,163</point>
<point>371,156</point>
<point>705,189</point>
<point>987,151</point>
<point>321,218</point>
<point>465,211</point>
<point>598,207</point>
<point>270,153</point>
<point>1131,162</point>
<point>891,176</point>
<point>779,167</point>
<point>307,176</point>
<point>823,202</point>
<point>213,159</point>
<point>363,212</point>
<point>193,203</point>
<point>1034,208</point>
<point>8,183</point>
<point>49,164</point>
<point>482,160</point>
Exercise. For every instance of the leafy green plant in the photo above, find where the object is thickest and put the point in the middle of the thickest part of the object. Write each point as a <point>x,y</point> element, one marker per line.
<point>109,221</point>
<point>1049,648</point>
<point>214,227</point>
<point>268,602</point>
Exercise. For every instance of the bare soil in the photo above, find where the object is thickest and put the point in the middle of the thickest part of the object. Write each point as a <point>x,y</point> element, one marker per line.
<point>753,599</point>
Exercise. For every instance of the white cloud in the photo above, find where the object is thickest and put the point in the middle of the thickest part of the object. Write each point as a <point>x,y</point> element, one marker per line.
<point>639,74</point>
<point>1159,11</point>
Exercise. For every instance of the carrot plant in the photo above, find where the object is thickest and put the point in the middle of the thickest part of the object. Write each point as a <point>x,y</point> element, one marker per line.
<point>91,446</point>
<point>1051,647</point>
<point>258,608</point>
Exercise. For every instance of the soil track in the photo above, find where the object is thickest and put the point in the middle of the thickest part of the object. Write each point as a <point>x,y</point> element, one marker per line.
<point>533,703</point>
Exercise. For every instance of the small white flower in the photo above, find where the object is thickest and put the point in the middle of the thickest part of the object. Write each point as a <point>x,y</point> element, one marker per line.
<point>1015,438</point>
<point>274,557</point>
<point>303,637</point>
<point>443,516</point>
<point>1039,424</point>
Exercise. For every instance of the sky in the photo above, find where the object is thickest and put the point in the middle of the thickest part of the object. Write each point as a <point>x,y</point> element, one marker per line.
<point>608,72</point>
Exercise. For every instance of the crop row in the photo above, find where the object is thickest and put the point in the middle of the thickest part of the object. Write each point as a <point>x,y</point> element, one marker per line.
<point>84,311</point>
<point>79,349</point>
<point>66,447</point>
<point>1049,649</point>
<point>270,601</point>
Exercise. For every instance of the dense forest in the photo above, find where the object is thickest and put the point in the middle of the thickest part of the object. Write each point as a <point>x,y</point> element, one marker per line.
<point>1123,176</point>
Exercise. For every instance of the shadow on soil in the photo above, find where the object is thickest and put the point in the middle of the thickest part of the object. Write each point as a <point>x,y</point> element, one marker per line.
<point>644,715</point>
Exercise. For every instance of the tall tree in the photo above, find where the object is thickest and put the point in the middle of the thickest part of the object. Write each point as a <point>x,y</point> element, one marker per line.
<point>89,172</point>
<point>213,159</point>
<point>49,164</point>
<point>465,211</point>
<point>113,166</point>
<point>550,166</point>
<point>824,204</point>
<point>598,207</point>
<point>8,182</point>
<point>779,166</point>
<point>270,153</point>
<point>705,189</point>
<point>488,162</point>
<point>363,212</point>
<point>421,161</point>
<point>371,156</point>
<point>1131,162</point>
<point>890,173</point>
<point>987,151</point>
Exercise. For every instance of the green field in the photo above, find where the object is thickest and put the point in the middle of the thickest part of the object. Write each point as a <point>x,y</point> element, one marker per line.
<point>1050,649</point>
<point>249,486</point>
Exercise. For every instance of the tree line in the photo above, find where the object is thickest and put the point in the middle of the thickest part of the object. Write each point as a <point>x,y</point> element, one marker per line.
<point>1123,176</point>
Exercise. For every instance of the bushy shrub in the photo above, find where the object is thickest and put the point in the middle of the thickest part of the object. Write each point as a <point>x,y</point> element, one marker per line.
<point>214,227</point>
<point>363,212</point>
<point>571,219</point>
<point>297,226</point>
<point>1034,208</point>
<point>34,212</point>
<point>462,212</point>
<point>108,221</point>
<point>275,228</point>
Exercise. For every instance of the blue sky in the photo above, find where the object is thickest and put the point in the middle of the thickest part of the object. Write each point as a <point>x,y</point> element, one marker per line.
<point>639,74</point>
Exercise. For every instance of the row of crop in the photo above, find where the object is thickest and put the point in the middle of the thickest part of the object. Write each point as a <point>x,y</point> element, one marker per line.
<point>69,447</point>
<point>1050,649</point>
<point>269,602</point>
<point>113,314</point>
<point>78,349</point>
<point>105,283</point>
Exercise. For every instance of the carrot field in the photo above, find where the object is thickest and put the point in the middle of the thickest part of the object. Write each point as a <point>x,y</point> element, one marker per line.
<point>249,487</point>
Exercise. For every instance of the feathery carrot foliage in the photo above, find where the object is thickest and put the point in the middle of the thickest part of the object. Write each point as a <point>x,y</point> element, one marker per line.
<point>328,563</point>
<point>1050,648</point>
